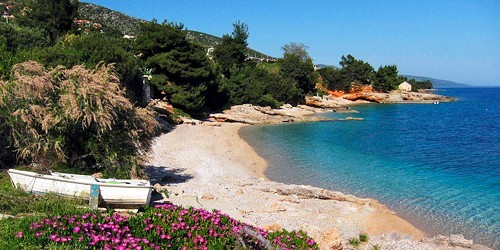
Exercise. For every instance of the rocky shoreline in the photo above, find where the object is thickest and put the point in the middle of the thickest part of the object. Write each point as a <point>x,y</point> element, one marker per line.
<point>211,167</point>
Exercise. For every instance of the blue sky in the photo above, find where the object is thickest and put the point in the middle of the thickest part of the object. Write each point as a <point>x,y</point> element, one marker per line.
<point>447,39</point>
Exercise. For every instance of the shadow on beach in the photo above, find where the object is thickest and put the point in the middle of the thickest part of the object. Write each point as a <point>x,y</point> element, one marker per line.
<point>164,175</point>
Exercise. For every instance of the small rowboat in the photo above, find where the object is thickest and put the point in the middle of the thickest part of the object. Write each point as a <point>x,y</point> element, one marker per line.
<point>113,192</point>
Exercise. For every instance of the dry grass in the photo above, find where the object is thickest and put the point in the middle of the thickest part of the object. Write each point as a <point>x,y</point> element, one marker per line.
<point>68,115</point>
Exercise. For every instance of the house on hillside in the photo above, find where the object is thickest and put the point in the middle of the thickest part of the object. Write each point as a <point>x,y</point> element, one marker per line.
<point>405,86</point>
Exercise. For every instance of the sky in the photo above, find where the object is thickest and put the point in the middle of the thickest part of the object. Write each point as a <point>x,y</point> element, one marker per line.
<point>454,40</point>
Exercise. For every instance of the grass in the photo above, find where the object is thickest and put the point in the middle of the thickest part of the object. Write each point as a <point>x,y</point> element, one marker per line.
<point>16,202</point>
<point>362,238</point>
<point>354,241</point>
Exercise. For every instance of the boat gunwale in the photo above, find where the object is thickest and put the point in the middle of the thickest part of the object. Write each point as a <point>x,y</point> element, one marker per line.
<point>74,181</point>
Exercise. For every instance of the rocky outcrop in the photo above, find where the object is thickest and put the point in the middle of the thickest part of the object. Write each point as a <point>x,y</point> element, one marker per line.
<point>366,96</point>
<point>454,241</point>
<point>337,103</point>
<point>369,96</point>
<point>250,114</point>
<point>309,192</point>
<point>328,239</point>
<point>425,97</point>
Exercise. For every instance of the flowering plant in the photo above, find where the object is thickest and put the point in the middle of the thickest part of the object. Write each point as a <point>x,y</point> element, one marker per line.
<point>165,226</point>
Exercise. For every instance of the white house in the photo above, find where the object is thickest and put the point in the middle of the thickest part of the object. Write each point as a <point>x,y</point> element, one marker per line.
<point>405,86</point>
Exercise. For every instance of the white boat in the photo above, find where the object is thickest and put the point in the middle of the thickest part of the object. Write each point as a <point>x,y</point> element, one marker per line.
<point>101,180</point>
<point>113,193</point>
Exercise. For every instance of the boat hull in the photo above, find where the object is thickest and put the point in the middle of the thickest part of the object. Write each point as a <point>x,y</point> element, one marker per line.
<point>111,194</point>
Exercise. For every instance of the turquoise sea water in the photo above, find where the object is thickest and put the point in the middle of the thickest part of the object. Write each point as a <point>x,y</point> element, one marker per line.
<point>436,165</point>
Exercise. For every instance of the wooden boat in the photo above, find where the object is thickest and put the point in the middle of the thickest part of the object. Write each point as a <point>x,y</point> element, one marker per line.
<point>113,193</point>
<point>101,180</point>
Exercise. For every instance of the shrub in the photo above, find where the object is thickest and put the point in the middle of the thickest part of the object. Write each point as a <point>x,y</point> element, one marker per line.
<point>354,241</point>
<point>363,237</point>
<point>162,227</point>
<point>77,117</point>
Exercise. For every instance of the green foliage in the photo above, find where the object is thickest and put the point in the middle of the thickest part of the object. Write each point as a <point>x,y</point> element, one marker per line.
<point>21,38</point>
<point>354,241</point>
<point>387,78</point>
<point>180,68</point>
<point>416,85</point>
<point>55,16</point>
<point>357,241</point>
<point>162,227</point>
<point>332,79</point>
<point>356,71</point>
<point>299,50</point>
<point>255,85</point>
<point>376,247</point>
<point>90,50</point>
<point>15,38</point>
<point>363,237</point>
<point>230,52</point>
<point>301,72</point>
<point>75,116</point>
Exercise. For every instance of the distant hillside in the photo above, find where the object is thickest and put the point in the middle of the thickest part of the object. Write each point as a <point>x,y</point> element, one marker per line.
<point>321,66</point>
<point>438,83</point>
<point>110,19</point>
<point>127,25</point>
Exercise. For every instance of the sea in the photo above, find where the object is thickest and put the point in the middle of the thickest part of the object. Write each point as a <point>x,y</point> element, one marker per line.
<point>438,166</point>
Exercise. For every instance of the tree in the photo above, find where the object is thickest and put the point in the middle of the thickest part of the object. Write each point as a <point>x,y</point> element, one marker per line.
<point>416,85</point>
<point>231,52</point>
<point>75,117</point>
<point>299,50</point>
<point>386,78</point>
<point>14,39</point>
<point>54,16</point>
<point>180,68</point>
<point>298,66</point>
<point>332,78</point>
<point>356,71</point>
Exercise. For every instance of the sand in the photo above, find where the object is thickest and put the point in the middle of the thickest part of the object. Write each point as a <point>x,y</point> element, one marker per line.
<point>211,167</point>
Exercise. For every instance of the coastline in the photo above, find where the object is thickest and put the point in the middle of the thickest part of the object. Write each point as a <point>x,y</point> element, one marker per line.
<point>214,168</point>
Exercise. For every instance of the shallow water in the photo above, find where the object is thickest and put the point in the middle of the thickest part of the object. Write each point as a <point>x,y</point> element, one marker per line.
<point>436,165</point>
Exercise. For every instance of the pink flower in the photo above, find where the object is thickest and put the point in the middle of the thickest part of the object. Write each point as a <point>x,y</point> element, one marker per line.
<point>19,235</point>
<point>76,229</point>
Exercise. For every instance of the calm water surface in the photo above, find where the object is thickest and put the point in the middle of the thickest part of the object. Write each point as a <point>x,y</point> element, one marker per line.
<point>436,165</point>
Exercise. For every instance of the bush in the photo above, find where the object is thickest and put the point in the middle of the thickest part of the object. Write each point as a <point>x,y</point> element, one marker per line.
<point>162,227</point>
<point>354,241</point>
<point>363,237</point>
<point>77,117</point>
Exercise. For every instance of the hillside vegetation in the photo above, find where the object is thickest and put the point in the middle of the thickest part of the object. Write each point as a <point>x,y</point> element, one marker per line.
<point>128,25</point>
<point>439,83</point>
<point>54,43</point>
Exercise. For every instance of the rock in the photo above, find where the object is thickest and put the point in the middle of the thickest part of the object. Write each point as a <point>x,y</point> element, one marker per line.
<point>327,102</point>
<point>250,114</point>
<point>277,208</point>
<point>328,239</point>
<point>161,106</point>
<point>186,120</point>
<point>207,196</point>
<point>460,241</point>
<point>454,240</point>
<point>273,228</point>
<point>422,97</point>
<point>367,96</point>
